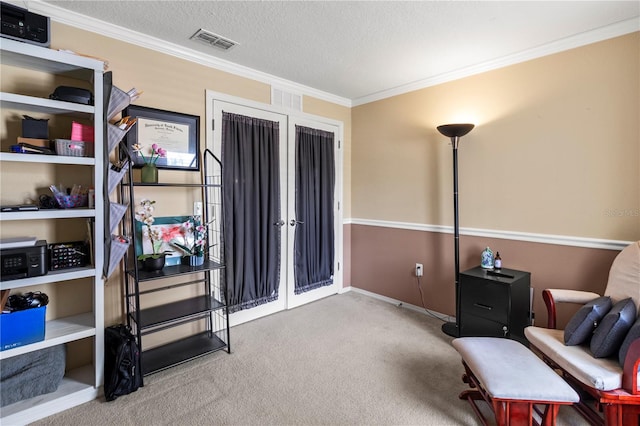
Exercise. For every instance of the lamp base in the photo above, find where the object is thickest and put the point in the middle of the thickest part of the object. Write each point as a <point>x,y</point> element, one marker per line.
<point>451,329</point>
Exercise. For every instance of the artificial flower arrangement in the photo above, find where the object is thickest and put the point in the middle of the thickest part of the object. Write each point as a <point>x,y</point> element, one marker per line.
<point>156,152</point>
<point>192,227</point>
<point>145,216</point>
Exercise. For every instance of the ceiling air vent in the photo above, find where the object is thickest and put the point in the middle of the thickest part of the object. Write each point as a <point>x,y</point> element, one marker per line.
<point>212,39</point>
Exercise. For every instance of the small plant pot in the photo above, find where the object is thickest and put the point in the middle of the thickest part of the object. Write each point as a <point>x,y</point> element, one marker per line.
<point>151,264</point>
<point>193,260</point>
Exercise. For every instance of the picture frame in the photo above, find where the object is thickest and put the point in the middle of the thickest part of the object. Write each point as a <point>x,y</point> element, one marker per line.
<point>177,133</point>
<point>169,229</point>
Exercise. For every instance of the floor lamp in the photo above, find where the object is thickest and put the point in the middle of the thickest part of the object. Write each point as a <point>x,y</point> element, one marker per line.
<point>455,132</point>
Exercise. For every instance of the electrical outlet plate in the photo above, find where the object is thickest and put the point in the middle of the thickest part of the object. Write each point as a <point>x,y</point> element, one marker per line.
<point>197,208</point>
<point>419,269</point>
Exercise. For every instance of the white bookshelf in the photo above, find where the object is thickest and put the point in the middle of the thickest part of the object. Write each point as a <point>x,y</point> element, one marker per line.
<point>83,384</point>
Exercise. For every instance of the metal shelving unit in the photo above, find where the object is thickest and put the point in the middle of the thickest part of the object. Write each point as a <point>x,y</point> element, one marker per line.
<point>209,307</point>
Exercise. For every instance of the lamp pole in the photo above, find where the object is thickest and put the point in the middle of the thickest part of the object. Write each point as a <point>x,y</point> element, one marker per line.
<point>455,132</point>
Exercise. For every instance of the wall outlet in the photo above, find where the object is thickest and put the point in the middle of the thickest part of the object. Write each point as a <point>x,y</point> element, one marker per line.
<point>419,269</point>
<point>197,208</point>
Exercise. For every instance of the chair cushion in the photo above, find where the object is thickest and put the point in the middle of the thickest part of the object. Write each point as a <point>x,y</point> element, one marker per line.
<point>599,373</point>
<point>613,328</point>
<point>509,370</point>
<point>633,334</point>
<point>624,275</point>
<point>581,325</point>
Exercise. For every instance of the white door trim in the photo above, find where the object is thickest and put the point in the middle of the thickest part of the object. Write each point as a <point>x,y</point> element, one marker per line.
<point>294,300</point>
<point>211,96</point>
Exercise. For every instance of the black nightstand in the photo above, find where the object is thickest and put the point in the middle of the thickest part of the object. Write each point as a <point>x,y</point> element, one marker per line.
<point>494,303</point>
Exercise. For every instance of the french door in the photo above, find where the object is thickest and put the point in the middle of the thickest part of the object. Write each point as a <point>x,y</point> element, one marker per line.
<point>298,252</point>
<point>292,251</point>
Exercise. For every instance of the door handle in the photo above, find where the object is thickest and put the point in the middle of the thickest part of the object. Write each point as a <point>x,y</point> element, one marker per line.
<point>294,222</point>
<point>279,223</point>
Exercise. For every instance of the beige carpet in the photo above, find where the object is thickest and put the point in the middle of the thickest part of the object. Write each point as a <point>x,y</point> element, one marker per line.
<point>345,360</point>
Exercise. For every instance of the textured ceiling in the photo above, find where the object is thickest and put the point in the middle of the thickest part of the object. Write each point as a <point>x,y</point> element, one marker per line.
<point>357,49</point>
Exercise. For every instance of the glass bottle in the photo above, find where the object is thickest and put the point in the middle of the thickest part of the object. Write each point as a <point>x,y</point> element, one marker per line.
<point>497,262</point>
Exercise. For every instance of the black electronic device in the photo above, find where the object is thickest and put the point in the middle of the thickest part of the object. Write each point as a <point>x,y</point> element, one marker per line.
<point>24,262</point>
<point>22,25</point>
<point>72,94</point>
<point>68,255</point>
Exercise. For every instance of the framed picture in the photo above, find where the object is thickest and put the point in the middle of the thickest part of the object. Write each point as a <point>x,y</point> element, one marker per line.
<point>176,133</point>
<point>170,230</point>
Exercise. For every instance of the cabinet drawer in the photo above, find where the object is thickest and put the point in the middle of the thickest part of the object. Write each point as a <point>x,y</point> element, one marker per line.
<point>472,325</point>
<point>485,299</point>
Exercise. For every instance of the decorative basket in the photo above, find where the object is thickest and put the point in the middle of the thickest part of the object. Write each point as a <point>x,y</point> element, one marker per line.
<point>72,201</point>
<point>74,148</point>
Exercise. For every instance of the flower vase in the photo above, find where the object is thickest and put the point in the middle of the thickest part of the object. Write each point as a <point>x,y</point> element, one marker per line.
<point>193,260</point>
<point>486,259</point>
<point>151,264</point>
<point>149,173</point>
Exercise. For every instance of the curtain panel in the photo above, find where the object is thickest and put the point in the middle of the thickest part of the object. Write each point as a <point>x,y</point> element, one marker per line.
<point>314,245</point>
<point>251,193</point>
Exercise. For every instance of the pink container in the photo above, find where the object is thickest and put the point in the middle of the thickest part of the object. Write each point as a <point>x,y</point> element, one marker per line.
<point>81,132</point>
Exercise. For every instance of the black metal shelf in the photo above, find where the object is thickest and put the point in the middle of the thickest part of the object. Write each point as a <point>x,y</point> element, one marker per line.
<point>180,351</point>
<point>178,311</point>
<point>174,271</point>
<point>208,309</point>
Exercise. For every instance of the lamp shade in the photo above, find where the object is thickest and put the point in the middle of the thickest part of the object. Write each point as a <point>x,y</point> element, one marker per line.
<point>455,130</point>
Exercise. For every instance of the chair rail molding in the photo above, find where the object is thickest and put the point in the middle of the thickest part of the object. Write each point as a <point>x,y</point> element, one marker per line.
<point>564,240</point>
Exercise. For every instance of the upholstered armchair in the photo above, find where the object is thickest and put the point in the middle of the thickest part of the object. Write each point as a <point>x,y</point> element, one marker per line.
<point>609,386</point>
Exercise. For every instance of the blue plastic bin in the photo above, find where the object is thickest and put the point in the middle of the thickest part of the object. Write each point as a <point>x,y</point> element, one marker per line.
<point>22,327</point>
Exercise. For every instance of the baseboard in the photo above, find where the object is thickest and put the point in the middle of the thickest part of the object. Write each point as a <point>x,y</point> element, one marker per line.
<point>440,316</point>
<point>345,290</point>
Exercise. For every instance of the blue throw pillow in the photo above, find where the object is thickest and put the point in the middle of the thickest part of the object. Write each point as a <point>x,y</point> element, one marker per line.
<point>632,335</point>
<point>582,324</point>
<point>613,328</point>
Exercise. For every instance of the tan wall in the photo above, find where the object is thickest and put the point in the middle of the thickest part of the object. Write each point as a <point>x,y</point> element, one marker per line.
<point>168,83</point>
<point>556,149</point>
<point>176,85</point>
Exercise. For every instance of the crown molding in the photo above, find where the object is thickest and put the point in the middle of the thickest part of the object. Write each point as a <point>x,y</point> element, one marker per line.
<point>563,240</point>
<point>604,33</point>
<point>113,31</point>
<point>106,29</point>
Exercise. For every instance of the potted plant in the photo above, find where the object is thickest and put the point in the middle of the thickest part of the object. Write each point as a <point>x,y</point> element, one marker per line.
<point>151,261</point>
<point>193,251</point>
<point>149,172</point>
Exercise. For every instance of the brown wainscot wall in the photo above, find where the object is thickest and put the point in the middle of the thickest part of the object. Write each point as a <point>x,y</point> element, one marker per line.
<point>383,261</point>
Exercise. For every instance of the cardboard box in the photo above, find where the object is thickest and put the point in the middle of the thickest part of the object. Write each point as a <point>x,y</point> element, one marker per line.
<point>35,128</point>
<point>22,327</point>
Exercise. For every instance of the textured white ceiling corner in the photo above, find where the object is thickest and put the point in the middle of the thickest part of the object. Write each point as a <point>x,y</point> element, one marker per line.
<point>353,52</point>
